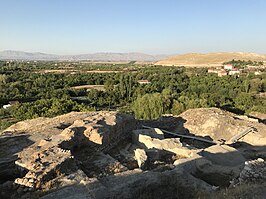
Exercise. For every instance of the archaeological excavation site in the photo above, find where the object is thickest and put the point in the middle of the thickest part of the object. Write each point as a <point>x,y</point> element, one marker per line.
<point>201,153</point>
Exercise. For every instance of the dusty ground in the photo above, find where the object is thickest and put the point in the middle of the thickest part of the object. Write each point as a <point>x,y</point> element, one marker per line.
<point>90,87</point>
<point>209,59</point>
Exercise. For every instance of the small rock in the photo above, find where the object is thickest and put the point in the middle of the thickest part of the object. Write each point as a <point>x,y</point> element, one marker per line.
<point>141,157</point>
<point>247,168</point>
<point>31,180</point>
<point>171,166</point>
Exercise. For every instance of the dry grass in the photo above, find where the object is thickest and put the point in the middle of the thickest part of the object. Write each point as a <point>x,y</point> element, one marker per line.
<point>209,59</point>
<point>252,191</point>
<point>90,87</point>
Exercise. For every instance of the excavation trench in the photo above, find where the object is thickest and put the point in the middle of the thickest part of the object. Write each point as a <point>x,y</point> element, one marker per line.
<point>111,153</point>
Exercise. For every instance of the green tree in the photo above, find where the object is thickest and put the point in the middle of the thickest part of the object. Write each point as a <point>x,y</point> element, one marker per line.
<point>244,101</point>
<point>177,107</point>
<point>149,106</point>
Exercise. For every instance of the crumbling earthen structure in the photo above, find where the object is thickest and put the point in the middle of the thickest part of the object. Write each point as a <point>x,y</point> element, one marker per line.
<point>109,154</point>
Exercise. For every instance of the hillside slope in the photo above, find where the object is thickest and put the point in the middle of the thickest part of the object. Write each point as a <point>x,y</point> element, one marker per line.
<point>209,59</point>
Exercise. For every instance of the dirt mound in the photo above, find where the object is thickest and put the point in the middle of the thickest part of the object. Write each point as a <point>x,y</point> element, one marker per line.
<point>218,125</point>
<point>209,59</point>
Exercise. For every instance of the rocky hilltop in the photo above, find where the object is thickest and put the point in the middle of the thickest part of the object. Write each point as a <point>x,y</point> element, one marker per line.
<point>209,59</point>
<point>112,155</point>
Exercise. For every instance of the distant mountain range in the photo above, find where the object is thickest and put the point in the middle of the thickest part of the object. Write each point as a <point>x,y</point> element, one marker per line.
<point>187,60</point>
<point>209,59</point>
<point>20,55</point>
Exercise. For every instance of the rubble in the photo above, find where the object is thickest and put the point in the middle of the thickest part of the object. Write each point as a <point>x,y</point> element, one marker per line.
<point>137,184</point>
<point>50,157</point>
<point>220,125</point>
<point>153,132</point>
<point>254,171</point>
<point>109,155</point>
<point>104,165</point>
<point>170,144</point>
<point>217,165</point>
<point>259,116</point>
<point>141,157</point>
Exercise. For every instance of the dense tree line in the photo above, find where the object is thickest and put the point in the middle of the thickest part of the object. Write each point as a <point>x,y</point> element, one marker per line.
<point>238,95</point>
<point>171,90</point>
<point>244,63</point>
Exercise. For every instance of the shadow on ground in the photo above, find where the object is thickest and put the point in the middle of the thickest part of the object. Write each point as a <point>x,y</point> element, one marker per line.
<point>191,178</point>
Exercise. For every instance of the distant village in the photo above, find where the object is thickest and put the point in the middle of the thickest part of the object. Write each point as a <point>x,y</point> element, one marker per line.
<point>226,69</point>
<point>229,69</point>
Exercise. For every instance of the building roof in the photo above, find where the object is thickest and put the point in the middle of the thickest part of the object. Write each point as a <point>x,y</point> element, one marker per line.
<point>143,81</point>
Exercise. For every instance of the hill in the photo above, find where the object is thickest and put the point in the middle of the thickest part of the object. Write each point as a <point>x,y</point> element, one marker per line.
<point>21,55</point>
<point>209,59</point>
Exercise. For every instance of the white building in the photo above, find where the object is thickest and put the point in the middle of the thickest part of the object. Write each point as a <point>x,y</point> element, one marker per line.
<point>144,82</point>
<point>234,71</point>
<point>6,106</point>
<point>258,73</point>
<point>11,103</point>
<point>228,67</point>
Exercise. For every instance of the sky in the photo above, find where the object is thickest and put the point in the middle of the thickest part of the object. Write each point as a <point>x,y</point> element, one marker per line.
<point>147,26</point>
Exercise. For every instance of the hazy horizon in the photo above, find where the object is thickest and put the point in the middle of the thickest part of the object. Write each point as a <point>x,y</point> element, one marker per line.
<point>153,54</point>
<point>14,50</point>
<point>151,27</point>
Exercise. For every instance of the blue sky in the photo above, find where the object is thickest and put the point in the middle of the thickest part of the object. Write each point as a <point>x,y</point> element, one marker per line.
<point>148,26</point>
